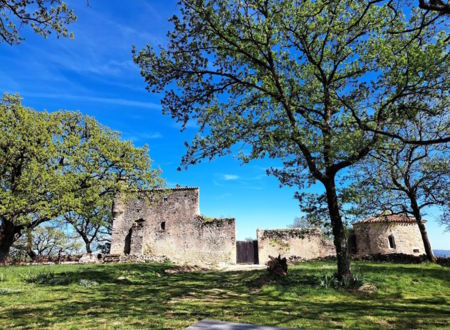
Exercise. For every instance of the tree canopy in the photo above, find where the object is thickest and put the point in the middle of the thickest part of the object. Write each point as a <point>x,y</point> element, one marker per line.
<point>47,240</point>
<point>44,17</point>
<point>29,177</point>
<point>404,178</point>
<point>313,83</point>
<point>55,164</point>
<point>96,166</point>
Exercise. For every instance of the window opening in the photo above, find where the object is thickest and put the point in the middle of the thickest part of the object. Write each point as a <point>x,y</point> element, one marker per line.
<point>391,242</point>
<point>127,246</point>
<point>163,225</point>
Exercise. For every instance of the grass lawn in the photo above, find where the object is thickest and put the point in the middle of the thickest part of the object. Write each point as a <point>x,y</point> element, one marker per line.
<point>136,296</point>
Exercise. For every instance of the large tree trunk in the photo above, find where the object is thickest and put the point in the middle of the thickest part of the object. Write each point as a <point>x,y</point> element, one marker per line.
<point>423,230</point>
<point>339,232</point>
<point>87,243</point>
<point>30,251</point>
<point>8,232</point>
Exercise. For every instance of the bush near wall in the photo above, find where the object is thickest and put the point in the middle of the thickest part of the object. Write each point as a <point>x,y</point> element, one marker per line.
<point>400,258</point>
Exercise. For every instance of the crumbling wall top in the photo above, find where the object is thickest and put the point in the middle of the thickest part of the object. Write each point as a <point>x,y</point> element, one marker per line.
<point>288,233</point>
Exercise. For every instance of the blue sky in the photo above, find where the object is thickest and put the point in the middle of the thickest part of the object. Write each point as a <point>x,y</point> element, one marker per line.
<point>95,74</point>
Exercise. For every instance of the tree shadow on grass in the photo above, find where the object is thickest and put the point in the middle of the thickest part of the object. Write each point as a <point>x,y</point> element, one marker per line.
<point>144,296</point>
<point>411,270</point>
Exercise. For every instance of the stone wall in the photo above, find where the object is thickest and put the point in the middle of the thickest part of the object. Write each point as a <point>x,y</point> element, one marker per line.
<point>373,238</point>
<point>294,244</point>
<point>168,223</point>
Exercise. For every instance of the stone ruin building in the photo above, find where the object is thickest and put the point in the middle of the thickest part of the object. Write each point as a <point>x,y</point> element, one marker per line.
<point>387,234</point>
<point>166,223</point>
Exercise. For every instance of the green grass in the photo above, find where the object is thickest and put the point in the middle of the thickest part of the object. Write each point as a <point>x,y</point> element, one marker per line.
<point>136,296</point>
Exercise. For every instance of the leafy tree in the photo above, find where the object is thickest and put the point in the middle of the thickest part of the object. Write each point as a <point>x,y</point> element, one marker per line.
<point>59,164</point>
<point>295,80</point>
<point>404,178</point>
<point>18,251</point>
<point>97,165</point>
<point>28,170</point>
<point>88,223</point>
<point>44,17</point>
<point>316,213</point>
<point>45,241</point>
<point>50,241</point>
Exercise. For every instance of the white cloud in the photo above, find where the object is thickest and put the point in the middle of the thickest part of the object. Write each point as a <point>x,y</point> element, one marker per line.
<point>151,136</point>
<point>230,177</point>
<point>106,100</point>
<point>143,137</point>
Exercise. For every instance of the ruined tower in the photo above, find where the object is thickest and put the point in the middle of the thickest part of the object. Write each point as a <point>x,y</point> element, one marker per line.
<point>167,223</point>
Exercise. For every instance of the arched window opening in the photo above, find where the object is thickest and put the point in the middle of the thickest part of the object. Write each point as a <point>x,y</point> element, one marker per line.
<point>163,225</point>
<point>127,246</point>
<point>391,241</point>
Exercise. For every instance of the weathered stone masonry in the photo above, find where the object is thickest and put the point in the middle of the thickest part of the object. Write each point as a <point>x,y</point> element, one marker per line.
<point>295,244</point>
<point>168,223</point>
<point>387,234</point>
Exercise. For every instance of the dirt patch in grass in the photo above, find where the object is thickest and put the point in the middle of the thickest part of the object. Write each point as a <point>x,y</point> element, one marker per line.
<point>367,288</point>
<point>185,269</point>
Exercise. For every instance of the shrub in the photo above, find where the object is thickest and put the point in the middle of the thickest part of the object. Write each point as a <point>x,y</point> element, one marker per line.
<point>443,261</point>
<point>331,281</point>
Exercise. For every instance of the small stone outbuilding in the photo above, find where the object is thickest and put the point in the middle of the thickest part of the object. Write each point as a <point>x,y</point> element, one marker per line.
<point>167,223</point>
<point>386,234</point>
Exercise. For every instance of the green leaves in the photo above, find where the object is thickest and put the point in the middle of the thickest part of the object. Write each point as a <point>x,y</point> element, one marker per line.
<point>64,163</point>
<point>317,81</point>
<point>27,153</point>
<point>44,17</point>
<point>316,84</point>
<point>402,177</point>
<point>98,165</point>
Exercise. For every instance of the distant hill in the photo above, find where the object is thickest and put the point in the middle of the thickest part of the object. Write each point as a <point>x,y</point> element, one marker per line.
<point>442,253</point>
